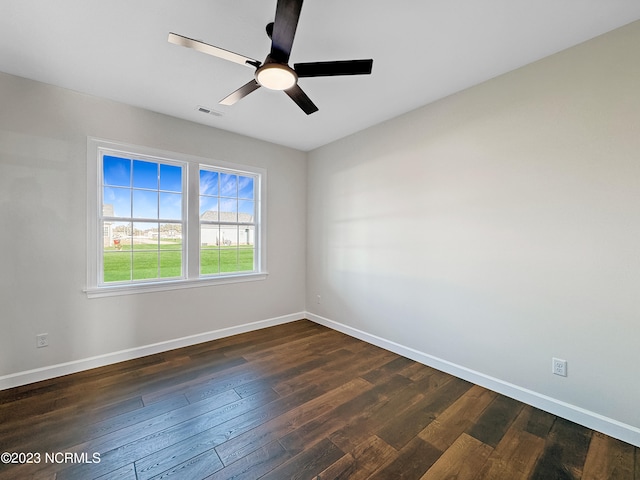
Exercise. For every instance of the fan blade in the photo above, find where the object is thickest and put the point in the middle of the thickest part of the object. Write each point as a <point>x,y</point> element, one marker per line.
<point>211,50</point>
<point>284,29</point>
<point>297,95</point>
<point>330,69</point>
<point>240,93</point>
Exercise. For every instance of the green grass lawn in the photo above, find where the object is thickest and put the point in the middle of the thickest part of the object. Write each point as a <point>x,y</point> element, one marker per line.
<point>145,261</point>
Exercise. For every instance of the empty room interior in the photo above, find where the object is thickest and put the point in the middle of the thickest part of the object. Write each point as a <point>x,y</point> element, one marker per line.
<point>422,264</point>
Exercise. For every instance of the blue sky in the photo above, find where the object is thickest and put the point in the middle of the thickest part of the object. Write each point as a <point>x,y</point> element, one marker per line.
<point>150,190</point>
<point>218,192</point>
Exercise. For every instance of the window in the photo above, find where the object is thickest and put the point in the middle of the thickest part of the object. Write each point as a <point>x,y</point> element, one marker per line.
<point>227,222</point>
<point>142,218</point>
<point>160,220</point>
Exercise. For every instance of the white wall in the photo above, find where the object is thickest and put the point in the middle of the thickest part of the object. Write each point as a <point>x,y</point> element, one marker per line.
<point>497,228</point>
<point>43,176</point>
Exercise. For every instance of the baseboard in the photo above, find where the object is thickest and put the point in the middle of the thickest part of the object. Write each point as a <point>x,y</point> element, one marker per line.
<point>613,428</point>
<point>46,373</point>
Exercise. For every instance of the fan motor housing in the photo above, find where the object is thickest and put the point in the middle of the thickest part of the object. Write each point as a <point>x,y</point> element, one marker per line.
<point>276,76</point>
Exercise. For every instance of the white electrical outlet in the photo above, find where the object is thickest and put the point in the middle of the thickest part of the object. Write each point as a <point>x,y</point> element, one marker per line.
<point>42,340</point>
<point>318,299</point>
<point>559,367</point>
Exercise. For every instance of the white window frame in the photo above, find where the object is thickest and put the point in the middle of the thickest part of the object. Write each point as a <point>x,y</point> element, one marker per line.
<point>191,217</point>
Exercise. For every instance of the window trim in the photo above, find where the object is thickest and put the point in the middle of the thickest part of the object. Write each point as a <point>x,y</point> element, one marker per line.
<point>95,147</point>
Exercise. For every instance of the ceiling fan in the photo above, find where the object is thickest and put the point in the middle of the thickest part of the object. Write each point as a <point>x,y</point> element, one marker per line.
<point>275,73</point>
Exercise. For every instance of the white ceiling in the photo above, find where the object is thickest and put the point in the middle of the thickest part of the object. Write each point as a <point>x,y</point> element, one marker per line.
<point>423,50</point>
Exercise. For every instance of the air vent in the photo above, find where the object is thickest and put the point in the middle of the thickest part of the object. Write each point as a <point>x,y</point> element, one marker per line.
<point>208,111</point>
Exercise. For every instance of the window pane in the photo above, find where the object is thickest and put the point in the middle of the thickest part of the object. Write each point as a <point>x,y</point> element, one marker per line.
<point>245,187</point>
<point>247,236</point>
<point>209,209</point>
<point>145,174</point>
<point>209,235</point>
<point>170,178</point>
<point>116,261</point>
<point>170,206</point>
<point>228,259</point>
<point>170,263</point>
<point>170,250</point>
<point>145,236</point>
<point>117,266</point>
<point>116,202</point>
<point>245,259</point>
<point>228,235</point>
<point>228,210</point>
<point>145,265</point>
<point>170,236</point>
<point>246,210</point>
<point>210,261</point>
<point>208,182</point>
<point>228,185</point>
<point>145,204</point>
<point>117,236</point>
<point>116,171</point>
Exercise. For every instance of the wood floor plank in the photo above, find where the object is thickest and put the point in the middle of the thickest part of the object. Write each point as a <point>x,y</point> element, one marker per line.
<point>177,454</point>
<point>334,371</point>
<point>36,393</point>
<point>60,418</point>
<point>388,369</point>
<point>413,461</point>
<point>608,458</point>
<point>398,394</point>
<point>280,426</point>
<point>303,343</point>
<point>516,454</point>
<point>296,400</point>
<point>495,420</point>
<point>327,424</point>
<point>217,382</point>
<point>308,463</point>
<point>259,340</point>
<point>52,476</point>
<point>197,388</point>
<point>255,464</point>
<point>292,369</point>
<point>405,425</point>
<point>462,460</point>
<point>127,472</point>
<point>540,423</point>
<point>417,371</point>
<point>340,470</point>
<point>460,416</point>
<point>118,422</point>
<point>164,431</point>
<point>193,439</point>
<point>565,452</point>
<point>371,455</point>
<point>331,378</point>
<point>65,437</point>
<point>190,442</point>
<point>199,466</point>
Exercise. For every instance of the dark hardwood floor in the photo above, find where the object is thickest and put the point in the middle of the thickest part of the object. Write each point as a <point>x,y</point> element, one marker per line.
<point>294,401</point>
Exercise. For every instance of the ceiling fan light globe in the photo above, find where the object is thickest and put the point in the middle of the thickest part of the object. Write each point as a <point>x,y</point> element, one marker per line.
<point>275,76</point>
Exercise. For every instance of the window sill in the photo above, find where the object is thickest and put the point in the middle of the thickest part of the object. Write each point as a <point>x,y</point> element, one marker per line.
<point>114,290</point>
